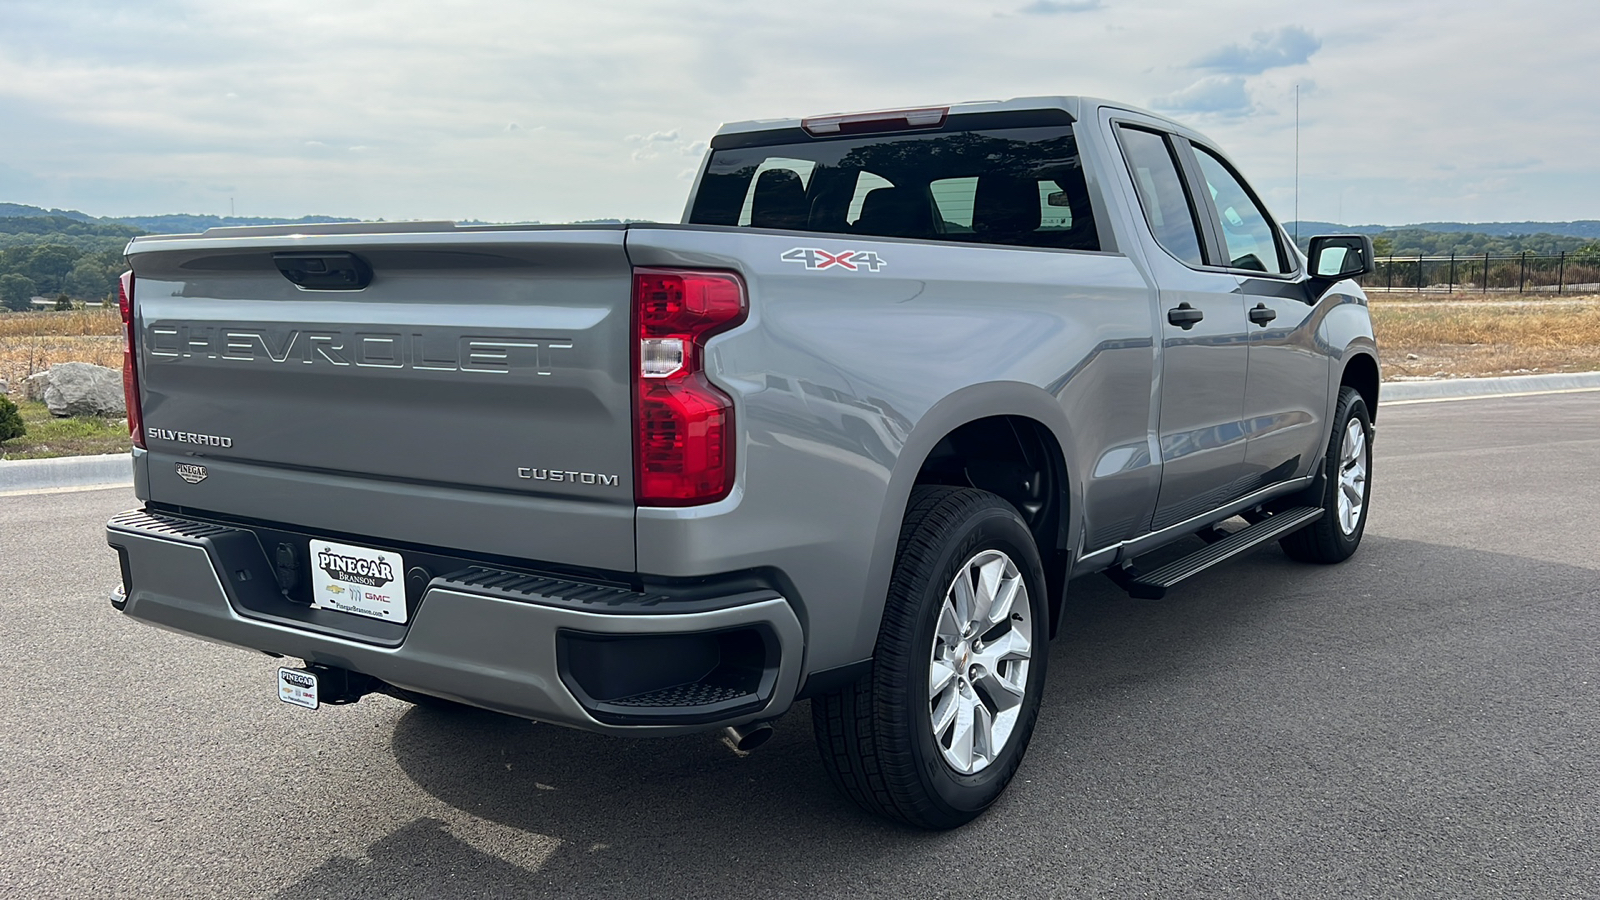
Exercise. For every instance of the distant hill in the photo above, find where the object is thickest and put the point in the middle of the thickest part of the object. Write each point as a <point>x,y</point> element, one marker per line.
<point>1309,229</point>
<point>1588,229</point>
<point>89,235</point>
<point>183,223</point>
<point>10,210</point>
<point>1462,238</point>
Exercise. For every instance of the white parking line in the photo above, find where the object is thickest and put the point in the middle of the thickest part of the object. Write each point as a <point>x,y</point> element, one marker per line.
<point>1583,390</point>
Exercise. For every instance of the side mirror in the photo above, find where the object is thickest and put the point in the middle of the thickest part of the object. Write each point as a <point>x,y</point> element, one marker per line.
<point>1339,256</point>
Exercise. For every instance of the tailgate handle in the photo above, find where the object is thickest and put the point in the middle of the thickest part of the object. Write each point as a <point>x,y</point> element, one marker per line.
<point>335,271</point>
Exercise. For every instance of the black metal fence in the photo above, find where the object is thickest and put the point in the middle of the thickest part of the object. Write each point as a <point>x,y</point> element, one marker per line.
<point>1524,273</point>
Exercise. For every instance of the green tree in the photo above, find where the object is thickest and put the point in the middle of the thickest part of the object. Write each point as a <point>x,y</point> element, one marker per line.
<point>91,277</point>
<point>63,303</point>
<point>15,291</point>
<point>1382,246</point>
<point>11,424</point>
<point>49,264</point>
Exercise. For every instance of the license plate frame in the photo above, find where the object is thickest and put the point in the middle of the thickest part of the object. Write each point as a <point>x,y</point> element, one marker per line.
<point>360,581</point>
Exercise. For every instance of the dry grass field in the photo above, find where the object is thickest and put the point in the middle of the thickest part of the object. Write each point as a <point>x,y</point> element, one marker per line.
<point>1437,336</point>
<point>34,341</point>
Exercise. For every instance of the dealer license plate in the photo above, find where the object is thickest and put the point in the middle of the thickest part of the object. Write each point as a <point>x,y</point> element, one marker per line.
<point>297,686</point>
<point>358,580</point>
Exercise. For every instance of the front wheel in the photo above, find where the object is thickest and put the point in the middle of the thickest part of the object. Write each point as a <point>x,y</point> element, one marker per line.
<point>1346,488</point>
<point>938,729</point>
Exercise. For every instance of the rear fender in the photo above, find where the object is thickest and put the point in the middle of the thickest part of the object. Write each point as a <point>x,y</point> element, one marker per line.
<point>977,401</point>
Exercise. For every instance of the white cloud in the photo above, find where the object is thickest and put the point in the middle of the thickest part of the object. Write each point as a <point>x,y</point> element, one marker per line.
<point>1214,94</point>
<point>1058,7</point>
<point>118,109</point>
<point>1287,46</point>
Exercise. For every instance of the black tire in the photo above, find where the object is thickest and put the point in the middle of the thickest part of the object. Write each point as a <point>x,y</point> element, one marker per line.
<point>876,736</point>
<point>1325,540</point>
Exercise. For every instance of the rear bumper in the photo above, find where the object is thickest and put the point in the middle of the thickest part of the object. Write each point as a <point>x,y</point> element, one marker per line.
<point>524,645</point>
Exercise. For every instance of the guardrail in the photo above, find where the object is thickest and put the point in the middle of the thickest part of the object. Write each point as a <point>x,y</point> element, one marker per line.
<point>1523,273</point>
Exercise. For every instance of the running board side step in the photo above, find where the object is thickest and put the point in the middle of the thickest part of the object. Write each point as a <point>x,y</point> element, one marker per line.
<point>1154,585</point>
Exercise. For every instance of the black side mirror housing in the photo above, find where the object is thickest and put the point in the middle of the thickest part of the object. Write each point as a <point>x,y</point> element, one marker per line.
<point>1335,257</point>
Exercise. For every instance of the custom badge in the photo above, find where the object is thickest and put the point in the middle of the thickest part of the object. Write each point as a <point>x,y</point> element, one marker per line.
<point>191,473</point>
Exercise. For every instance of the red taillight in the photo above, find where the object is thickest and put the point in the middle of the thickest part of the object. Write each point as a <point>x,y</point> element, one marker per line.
<point>682,424</point>
<point>130,360</point>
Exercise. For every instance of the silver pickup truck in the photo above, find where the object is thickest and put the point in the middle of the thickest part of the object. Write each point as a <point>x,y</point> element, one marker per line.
<point>845,434</point>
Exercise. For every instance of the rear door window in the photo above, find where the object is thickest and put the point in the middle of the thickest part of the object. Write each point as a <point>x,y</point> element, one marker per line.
<point>1166,204</point>
<point>1018,186</point>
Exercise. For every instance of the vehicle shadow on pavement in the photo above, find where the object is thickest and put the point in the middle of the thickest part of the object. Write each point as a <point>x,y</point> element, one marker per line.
<point>1269,725</point>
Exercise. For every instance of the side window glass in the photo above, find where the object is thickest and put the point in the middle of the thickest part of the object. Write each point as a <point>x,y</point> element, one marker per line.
<point>866,183</point>
<point>776,197</point>
<point>1055,207</point>
<point>1166,205</point>
<point>1246,229</point>
<point>953,198</point>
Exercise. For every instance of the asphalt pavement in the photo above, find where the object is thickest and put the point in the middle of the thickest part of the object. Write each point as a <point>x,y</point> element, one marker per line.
<point>1423,720</point>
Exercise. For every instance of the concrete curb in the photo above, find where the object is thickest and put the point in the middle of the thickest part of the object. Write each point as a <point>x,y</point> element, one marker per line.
<point>1467,388</point>
<point>28,476</point>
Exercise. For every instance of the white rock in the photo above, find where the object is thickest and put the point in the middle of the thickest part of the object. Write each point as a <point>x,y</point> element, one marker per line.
<point>33,388</point>
<point>83,389</point>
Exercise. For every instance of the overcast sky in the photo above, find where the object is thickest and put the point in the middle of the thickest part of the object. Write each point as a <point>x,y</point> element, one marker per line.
<point>515,110</point>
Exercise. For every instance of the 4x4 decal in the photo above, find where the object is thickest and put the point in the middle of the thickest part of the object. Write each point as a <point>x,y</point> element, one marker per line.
<point>852,260</point>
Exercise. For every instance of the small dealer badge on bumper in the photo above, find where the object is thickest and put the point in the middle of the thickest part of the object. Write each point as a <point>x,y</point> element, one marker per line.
<point>297,686</point>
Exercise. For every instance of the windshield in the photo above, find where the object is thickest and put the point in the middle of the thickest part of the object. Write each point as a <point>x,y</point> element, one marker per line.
<point>1019,186</point>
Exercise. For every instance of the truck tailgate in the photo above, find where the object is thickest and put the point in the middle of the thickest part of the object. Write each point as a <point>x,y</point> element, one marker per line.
<point>475,395</point>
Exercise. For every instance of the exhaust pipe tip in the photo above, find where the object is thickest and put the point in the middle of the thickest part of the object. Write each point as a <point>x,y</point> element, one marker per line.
<point>744,738</point>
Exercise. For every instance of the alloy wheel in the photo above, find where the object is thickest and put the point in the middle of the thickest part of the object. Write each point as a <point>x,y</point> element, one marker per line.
<point>1352,476</point>
<point>979,672</point>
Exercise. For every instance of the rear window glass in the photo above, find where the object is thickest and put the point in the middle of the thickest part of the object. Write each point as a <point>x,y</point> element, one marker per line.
<point>1020,186</point>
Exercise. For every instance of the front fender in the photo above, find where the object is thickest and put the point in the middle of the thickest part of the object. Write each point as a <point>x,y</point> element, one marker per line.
<point>1345,332</point>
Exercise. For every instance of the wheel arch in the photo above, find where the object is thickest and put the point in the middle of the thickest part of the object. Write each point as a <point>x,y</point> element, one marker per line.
<point>1031,416</point>
<point>1361,372</point>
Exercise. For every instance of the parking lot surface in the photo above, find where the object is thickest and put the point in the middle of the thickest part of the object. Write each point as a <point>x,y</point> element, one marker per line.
<point>1423,720</point>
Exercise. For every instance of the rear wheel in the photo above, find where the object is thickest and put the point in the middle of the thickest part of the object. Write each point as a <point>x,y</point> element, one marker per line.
<point>1346,488</point>
<point>936,731</point>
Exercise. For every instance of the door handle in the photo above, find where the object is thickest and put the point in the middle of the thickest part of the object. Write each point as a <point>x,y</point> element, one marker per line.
<point>1261,315</point>
<point>1185,316</point>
